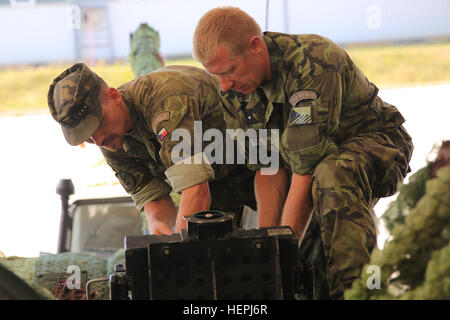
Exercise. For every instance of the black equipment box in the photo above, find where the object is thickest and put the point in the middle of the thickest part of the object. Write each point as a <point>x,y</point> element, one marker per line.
<point>209,261</point>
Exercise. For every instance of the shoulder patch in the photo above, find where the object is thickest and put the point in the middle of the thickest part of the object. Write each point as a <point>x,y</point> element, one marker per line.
<point>162,134</point>
<point>302,95</point>
<point>300,115</point>
<point>160,118</point>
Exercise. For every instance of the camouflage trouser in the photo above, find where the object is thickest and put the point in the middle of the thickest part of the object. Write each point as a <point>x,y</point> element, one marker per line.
<point>232,192</point>
<point>345,188</point>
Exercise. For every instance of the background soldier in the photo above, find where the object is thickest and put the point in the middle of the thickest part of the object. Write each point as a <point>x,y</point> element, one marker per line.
<point>133,125</point>
<point>342,145</point>
<point>144,56</point>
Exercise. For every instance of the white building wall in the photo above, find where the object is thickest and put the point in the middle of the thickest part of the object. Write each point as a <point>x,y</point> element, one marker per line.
<point>348,21</point>
<point>44,32</point>
<point>35,34</point>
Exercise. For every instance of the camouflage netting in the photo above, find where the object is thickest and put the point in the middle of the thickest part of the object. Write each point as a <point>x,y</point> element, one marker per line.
<point>410,193</point>
<point>407,199</point>
<point>144,55</point>
<point>117,258</point>
<point>24,268</point>
<point>62,292</point>
<point>415,264</point>
<point>29,269</point>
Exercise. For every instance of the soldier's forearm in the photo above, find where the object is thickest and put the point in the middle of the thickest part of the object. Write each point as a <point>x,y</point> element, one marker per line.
<point>298,208</point>
<point>271,192</point>
<point>162,209</point>
<point>194,199</point>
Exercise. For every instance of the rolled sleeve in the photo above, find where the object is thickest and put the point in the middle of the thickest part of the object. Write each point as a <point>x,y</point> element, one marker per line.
<point>190,172</point>
<point>155,189</point>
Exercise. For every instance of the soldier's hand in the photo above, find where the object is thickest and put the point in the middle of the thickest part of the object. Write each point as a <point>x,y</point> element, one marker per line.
<point>159,228</point>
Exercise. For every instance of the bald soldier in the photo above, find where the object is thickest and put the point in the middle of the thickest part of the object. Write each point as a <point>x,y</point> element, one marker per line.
<point>342,147</point>
<point>134,126</point>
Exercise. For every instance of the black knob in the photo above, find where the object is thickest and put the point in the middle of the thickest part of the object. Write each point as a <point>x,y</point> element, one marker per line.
<point>65,187</point>
<point>209,224</point>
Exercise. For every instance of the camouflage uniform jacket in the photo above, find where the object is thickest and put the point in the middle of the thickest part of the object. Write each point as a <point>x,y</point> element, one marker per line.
<point>159,102</point>
<point>317,97</point>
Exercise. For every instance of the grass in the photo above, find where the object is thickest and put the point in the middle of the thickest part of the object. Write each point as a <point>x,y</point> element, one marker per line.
<point>404,65</point>
<point>24,90</point>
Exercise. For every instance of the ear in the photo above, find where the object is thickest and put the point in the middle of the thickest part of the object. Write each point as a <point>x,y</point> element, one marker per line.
<point>256,45</point>
<point>114,94</point>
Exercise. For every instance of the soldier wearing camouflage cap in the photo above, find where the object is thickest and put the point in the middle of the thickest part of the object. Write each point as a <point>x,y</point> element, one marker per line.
<point>133,126</point>
<point>343,147</point>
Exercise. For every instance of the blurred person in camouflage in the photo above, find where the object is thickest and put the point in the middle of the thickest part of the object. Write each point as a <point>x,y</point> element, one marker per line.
<point>144,56</point>
<point>342,147</point>
<point>133,125</point>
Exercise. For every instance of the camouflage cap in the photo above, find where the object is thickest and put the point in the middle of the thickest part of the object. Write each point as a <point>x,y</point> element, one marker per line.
<point>73,99</point>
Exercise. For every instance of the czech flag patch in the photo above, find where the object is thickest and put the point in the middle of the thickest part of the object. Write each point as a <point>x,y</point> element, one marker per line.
<point>162,134</point>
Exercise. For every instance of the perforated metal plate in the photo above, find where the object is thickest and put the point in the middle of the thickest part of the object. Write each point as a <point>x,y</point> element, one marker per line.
<point>220,269</point>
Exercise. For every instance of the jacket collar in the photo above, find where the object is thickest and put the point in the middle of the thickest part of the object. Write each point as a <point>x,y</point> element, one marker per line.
<point>276,67</point>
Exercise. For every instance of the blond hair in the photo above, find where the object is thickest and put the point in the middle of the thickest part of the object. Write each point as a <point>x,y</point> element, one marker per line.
<point>229,26</point>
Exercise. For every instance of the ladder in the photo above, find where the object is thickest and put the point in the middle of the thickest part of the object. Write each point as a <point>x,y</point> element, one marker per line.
<point>93,38</point>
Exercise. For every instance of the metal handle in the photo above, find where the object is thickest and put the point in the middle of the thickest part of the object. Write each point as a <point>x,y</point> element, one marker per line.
<point>92,281</point>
